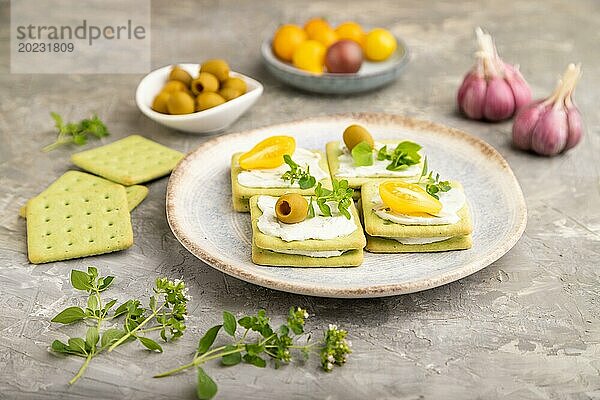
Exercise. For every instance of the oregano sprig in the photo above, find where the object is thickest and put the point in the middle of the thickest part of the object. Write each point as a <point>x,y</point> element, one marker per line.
<point>166,313</point>
<point>341,194</point>
<point>254,340</point>
<point>296,173</point>
<point>403,156</point>
<point>433,185</point>
<point>76,132</point>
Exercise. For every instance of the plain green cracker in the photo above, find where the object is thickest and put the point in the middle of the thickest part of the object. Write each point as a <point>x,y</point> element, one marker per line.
<point>355,241</point>
<point>383,245</point>
<point>333,151</point>
<point>376,226</point>
<point>77,181</point>
<point>352,258</point>
<point>129,161</point>
<point>78,224</point>
<point>241,194</point>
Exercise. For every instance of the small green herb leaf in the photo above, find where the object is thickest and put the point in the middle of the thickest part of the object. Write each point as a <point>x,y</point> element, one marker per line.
<point>208,339</point>
<point>362,154</point>
<point>77,345</point>
<point>92,302</point>
<point>80,280</point>
<point>231,359</point>
<point>255,360</point>
<point>92,336</point>
<point>229,324</point>
<point>206,388</point>
<point>150,344</point>
<point>296,173</point>
<point>76,133</point>
<point>106,282</point>
<point>69,315</point>
<point>110,336</point>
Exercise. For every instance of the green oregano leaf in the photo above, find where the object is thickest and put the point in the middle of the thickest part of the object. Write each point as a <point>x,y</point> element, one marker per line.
<point>69,315</point>
<point>208,339</point>
<point>229,324</point>
<point>206,388</point>
<point>80,280</point>
<point>150,344</point>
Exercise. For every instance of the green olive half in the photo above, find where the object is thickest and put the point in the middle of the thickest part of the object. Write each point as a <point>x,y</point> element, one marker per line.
<point>291,208</point>
<point>354,134</point>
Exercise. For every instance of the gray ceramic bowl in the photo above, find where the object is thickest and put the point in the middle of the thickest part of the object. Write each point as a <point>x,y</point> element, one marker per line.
<point>371,75</point>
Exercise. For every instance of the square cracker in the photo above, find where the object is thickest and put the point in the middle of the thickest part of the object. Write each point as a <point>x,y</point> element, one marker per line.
<point>77,181</point>
<point>333,151</point>
<point>352,258</point>
<point>78,224</point>
<point>129,161</point>
<point>376,226</point>
<point>355,241</point>
<point>241,194</point>
<point>383,245</point>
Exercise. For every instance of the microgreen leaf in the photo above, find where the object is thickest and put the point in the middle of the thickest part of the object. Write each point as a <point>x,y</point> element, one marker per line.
<point>150,344</point>
<point>341,195</point>
<point>433,185</point>
<point>404,155</point>
<point>208,339</point>
<point>206,388</point>
<point>362,154</point>
<point>69,315</point>
<point>229,324</point>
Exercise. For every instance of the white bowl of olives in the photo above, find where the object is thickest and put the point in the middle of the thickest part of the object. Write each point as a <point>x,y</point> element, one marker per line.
<point>197,98</point>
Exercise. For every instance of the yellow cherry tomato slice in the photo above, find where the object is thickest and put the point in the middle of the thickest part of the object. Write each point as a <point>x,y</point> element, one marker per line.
<point>408,198</point>
<point>268,153</point>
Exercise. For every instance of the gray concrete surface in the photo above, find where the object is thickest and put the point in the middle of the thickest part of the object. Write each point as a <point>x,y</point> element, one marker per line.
<point>526,327</point>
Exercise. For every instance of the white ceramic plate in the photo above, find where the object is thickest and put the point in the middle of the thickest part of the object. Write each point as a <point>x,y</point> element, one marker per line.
<point>371,75</point>
<point>208,121</point>
<point>200,213</point>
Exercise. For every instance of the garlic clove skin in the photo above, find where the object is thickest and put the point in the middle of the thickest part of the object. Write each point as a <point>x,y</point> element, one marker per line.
<point>474,98</point>
<point>525,121</point>
<point>575,127</point>
<point>471,76</point>
<point>551,132</point>
<point>520,88</point>
<point>499,100</point>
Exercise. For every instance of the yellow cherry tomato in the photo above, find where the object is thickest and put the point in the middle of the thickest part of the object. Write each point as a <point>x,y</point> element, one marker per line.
<point>408,198</point>
<point>379,44</point>
<point>268,153</point>
<point>350,30</point>
<point>326,36</point>
<point>314,25</point>
<point>286,39</point>
<point>310,56</point>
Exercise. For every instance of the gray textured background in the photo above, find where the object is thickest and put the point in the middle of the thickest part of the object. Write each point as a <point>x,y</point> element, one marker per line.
<point>525,327</point>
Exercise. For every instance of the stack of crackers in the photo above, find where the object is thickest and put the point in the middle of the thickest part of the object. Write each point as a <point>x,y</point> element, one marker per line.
<point>81,214</point>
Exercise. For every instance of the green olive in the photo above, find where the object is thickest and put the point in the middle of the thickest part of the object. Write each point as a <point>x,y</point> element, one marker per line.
<point>160,102</point>
<point>205,82</point>
<point>235,83</point>
<point>206,100</point>
<point>291,208</point>
<point>181,75</point>
<point>180,103</point>
<point>354,134</point>
<point>174,86</point>
<point>229,93</point>
<point>217,67</point>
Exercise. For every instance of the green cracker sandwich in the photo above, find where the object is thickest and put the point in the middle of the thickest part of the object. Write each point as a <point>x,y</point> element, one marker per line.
<point>78,224</point>
<point>129,161</point>
<point>242,194</point>
<point>382,233</point>
<point>76,181</point>
<point>274,251</point>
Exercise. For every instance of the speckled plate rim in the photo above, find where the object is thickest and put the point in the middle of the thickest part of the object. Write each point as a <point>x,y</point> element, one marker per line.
<point>383,290</point>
